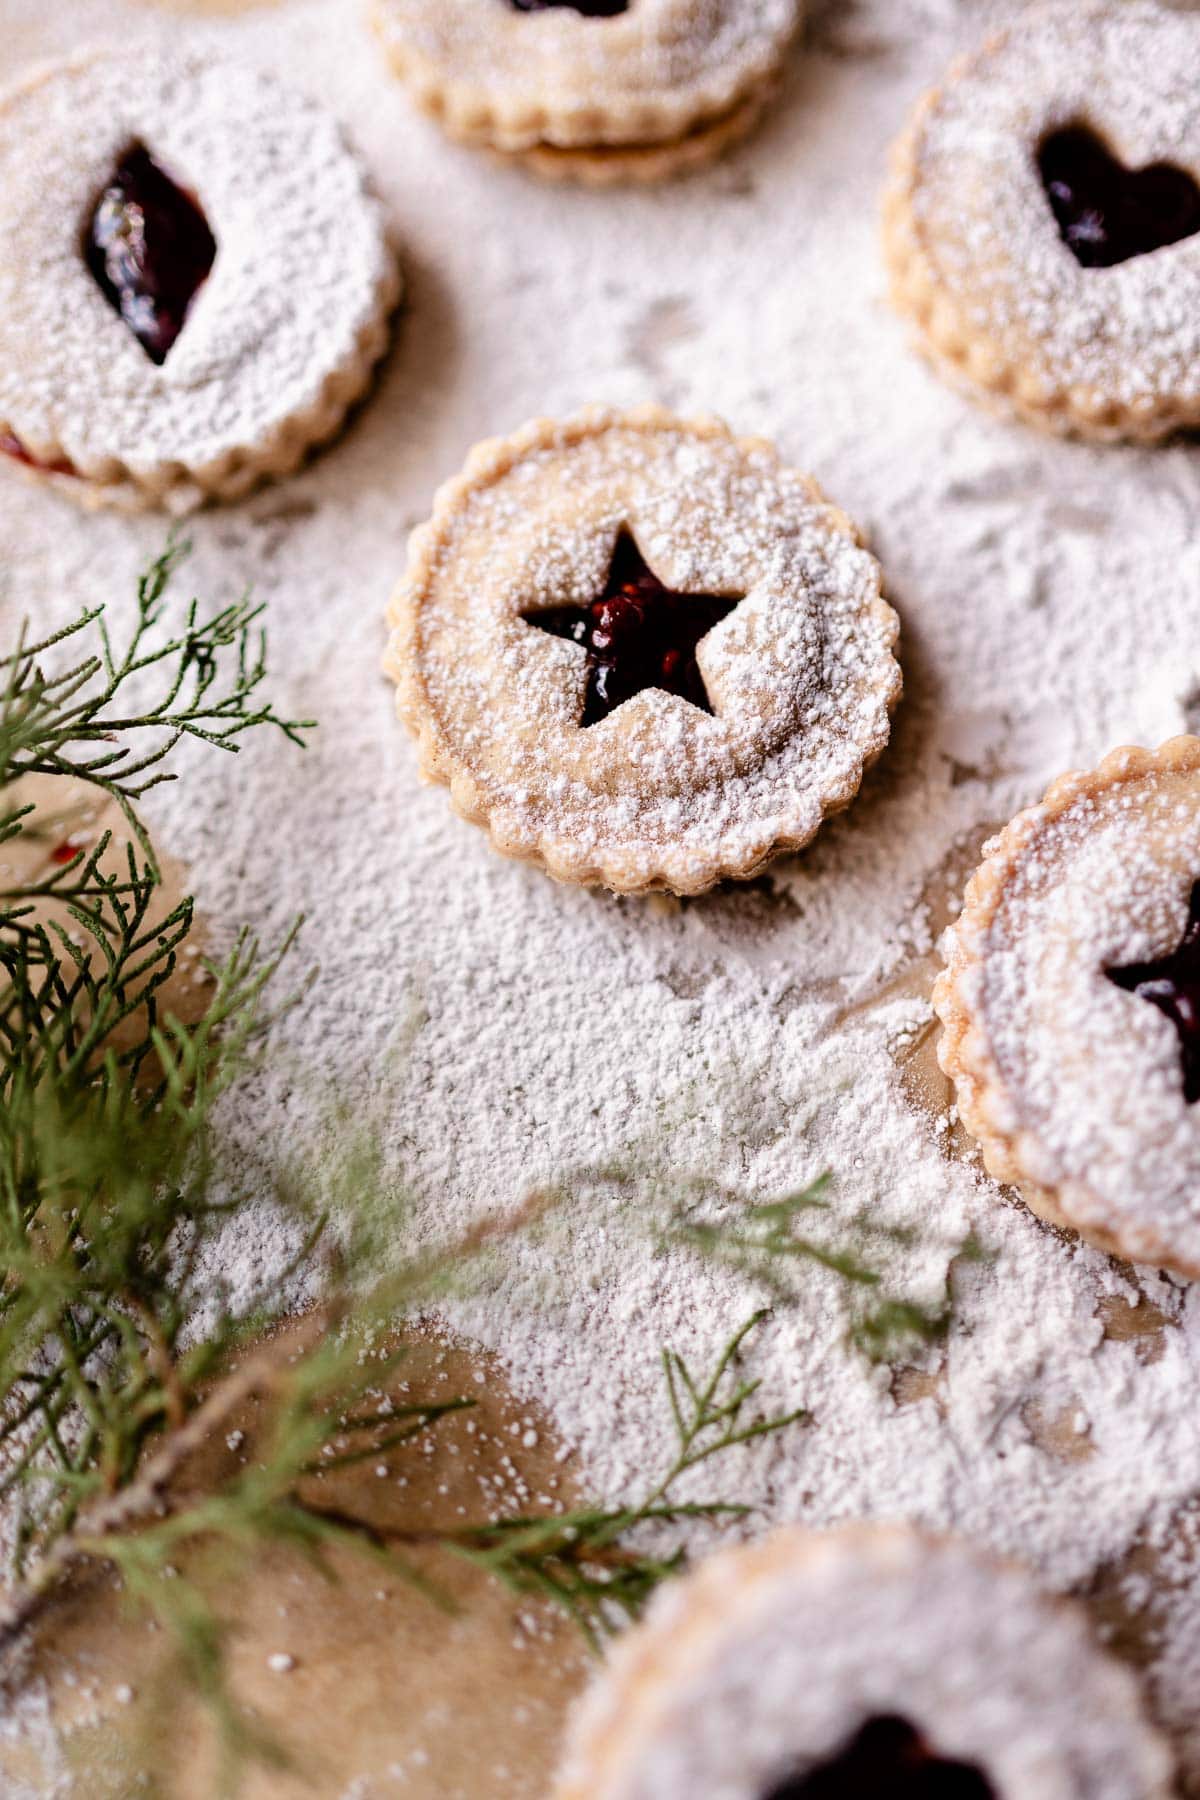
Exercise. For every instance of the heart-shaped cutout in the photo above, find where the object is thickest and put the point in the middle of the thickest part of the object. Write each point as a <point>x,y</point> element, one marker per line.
<point>1107,213</point>
<point>150,249</point>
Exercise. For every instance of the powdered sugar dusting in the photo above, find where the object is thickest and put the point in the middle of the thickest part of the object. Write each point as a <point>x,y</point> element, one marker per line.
<point>506,1031</point>
<point>800,675</point>
<point>558,76</point>
<point>723,1694</point>
<point>301,271</point>
<point>1087,1076</point>
<point>1131,332</point>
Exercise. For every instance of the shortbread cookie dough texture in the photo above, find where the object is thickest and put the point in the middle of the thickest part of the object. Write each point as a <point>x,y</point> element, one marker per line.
<point>641,651</point>
<point>865,1660</point>
<point>195,278</point>
<point>1043,219</point>
<point>595,91</point>
<point>1071,1005</point>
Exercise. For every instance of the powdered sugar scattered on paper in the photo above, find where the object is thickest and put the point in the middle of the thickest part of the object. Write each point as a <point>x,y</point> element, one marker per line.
<point>508,1031</point>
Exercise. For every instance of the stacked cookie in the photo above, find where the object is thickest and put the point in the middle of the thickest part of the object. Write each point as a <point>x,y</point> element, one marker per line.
<point>592,90</point>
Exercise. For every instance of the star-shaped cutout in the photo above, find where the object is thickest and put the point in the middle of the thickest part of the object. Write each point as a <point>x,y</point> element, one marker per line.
<point>1172,983</point>
<point>638,633</point>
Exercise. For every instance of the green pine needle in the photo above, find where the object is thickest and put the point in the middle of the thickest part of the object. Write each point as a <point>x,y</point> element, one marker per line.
<point>580,1560</point>
<point>111,1194</point>
<point>767,1243</point>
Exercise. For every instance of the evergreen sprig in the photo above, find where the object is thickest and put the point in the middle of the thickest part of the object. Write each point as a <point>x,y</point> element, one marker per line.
<point>581,1560</point>
<point>106,1191</point>
<point>121,1357</point>
<point>770,1241</point>
<point>98,719</point>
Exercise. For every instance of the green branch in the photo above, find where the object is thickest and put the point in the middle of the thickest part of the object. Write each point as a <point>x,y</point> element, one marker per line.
<point>121,1355</point>
<point>580,1560</point>
<point>770,1242</point>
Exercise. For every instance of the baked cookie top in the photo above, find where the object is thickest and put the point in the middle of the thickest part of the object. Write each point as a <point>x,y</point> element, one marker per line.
<point>1043,221</point>
<point>518,73</point>
<point>730,615</point>
<point>859,1661</point>
<point>1071,1002</point>
<point>286,306</point>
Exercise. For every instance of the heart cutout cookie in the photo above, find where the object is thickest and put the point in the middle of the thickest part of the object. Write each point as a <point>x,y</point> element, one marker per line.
<point>1107,213</point>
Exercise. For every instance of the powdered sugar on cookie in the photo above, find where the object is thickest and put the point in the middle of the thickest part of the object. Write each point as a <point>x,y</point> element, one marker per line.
<point>976,252</point>
<point>500,1032</point>
<point>800,676</point>
<point>514,78</point>
<point>1073,1083</point>
<point>281,337</point>
<point>765,1664</point>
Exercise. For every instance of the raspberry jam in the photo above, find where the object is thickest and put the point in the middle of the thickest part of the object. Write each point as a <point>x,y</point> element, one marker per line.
<point>591,9</point>
<point>638,634</point>
<point>11,445</point>
<point>887,1758</point>
<point>1173,985</point>
<point>1106,212</point>
<point>150,249</point>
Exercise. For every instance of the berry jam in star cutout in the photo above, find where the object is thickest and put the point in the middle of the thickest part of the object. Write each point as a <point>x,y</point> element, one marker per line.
<point>887,1760</point>
<point>591,9</point>
<point>1107,213</point>
<point>150,249</point>
<point>1173,985</point>
<point>638,634</point>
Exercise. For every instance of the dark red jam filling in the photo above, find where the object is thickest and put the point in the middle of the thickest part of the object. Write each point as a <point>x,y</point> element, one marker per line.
<point>1106,212</point>
<point>1173,985</point>
<point>591,9</point>
<point>888,1760</point>
<point>638,634</point>
<point>150,249</point>
<point>11,445</point>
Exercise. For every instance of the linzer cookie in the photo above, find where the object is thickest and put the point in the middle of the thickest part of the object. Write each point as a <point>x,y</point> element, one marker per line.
<point>592,90</point>
<point>642,652</point>
<point>195,281</point>
<point>858,1663</point>
<point>1071,1005</point>
<point>1043,219</point>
